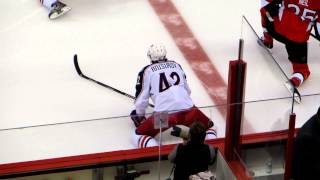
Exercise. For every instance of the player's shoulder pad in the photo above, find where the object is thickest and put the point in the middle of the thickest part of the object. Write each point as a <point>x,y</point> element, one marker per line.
<point>176,63</point>
<point>143,69</point>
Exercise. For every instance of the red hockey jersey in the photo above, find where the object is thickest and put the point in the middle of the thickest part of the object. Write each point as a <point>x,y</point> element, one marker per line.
<point>296,19</point>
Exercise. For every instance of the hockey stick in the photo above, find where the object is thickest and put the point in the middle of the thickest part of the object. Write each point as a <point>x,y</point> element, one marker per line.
<point>296,94</point>
<point>314,36</point>
<point>76,65</point>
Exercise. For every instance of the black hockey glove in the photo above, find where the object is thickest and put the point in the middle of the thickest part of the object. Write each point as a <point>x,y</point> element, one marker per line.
<point>178,132</point>
<point>137,119</point>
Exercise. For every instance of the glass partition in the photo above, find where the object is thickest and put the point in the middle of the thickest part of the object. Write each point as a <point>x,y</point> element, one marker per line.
<point>265,160</point>
<point>263,147</point>
<point>66,142</point>
<point>268,105</point>
<point>104,148</point>
<point>222,169</point>
<point>263,137</point>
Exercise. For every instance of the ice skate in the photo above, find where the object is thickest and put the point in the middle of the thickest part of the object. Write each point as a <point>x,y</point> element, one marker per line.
<point>58,10</point>
<point>293,91</point>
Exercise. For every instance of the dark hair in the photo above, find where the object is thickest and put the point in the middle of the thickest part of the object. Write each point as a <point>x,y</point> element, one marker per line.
<point>197,133</point>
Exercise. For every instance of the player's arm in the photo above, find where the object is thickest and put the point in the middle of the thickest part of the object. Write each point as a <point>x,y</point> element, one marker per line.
<point>185,83</point>
<point>142,92</point>
<point>270,8</point>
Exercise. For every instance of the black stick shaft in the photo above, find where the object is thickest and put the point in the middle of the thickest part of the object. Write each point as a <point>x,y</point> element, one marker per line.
<point>76,65</point>
<point>316,37</point>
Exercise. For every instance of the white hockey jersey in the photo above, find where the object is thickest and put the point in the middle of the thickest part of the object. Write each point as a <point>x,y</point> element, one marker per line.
<point>165,82</point>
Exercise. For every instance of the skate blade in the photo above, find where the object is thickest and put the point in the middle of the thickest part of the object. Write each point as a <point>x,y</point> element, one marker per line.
<point>260,43</point>
<point>63,11</point>
<point>290,87</point>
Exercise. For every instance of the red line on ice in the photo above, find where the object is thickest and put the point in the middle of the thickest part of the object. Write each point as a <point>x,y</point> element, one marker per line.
<point>192,51</point>
<point>199,61</point>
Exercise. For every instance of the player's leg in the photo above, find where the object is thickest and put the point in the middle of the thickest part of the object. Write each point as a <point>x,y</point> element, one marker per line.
<point>198,115</point>
<point>298,56</point>
<point>143,141</point>
<point>211,133</point>
<point>194,114</point>
<point>146,127</point>
<point>185,118</point>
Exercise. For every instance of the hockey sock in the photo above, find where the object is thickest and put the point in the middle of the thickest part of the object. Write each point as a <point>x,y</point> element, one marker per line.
<point>211,133</point>
<point>143,141</point>
<point>300,73</point>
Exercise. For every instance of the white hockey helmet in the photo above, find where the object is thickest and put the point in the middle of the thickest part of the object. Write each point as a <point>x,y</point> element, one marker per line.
<point>157,52</point>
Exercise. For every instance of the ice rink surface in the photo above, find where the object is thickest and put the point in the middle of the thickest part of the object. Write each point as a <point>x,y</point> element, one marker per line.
<point>39,84</point>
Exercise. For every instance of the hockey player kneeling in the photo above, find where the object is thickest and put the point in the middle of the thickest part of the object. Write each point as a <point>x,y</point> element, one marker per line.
<point>165,83</point>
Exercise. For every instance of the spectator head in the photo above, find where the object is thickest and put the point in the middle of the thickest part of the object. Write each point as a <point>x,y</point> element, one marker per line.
<point>197,133</point>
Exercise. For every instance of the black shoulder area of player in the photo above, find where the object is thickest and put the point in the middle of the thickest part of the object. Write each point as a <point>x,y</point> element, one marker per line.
<point>143,69</point>
<point>140,80</point>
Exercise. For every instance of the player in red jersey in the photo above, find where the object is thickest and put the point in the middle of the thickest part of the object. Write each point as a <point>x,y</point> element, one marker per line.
<point>290,22</point>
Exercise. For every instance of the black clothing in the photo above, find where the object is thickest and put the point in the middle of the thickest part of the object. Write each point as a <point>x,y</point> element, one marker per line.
<point>139,81</point>
<point>306,159</point>
<point>297,52</point>
<point>191,159</point>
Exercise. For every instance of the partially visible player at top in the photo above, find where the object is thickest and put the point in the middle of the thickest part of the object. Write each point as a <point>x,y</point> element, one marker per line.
<point>290,22</point>
<point>165,83</point>
<point>56,8</point>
